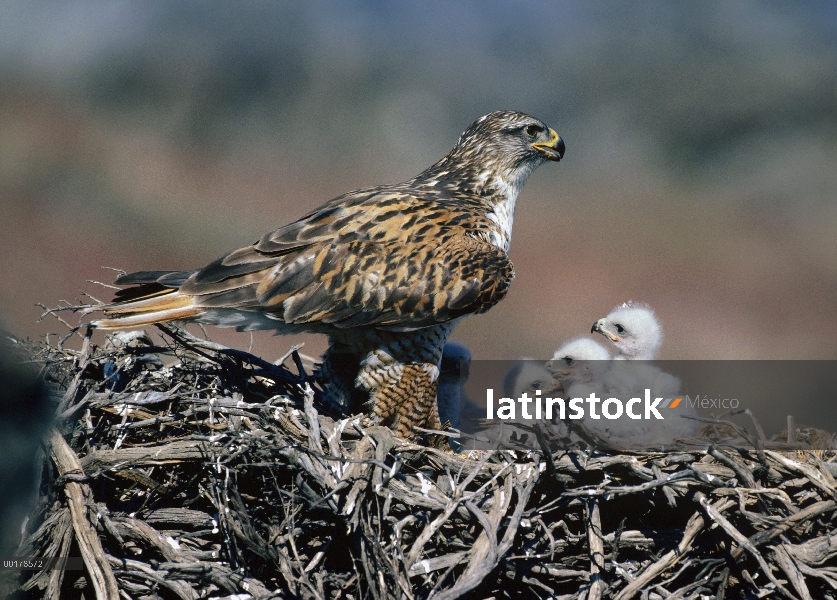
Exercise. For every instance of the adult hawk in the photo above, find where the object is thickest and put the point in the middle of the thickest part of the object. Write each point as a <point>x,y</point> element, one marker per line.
<point>386,272</point>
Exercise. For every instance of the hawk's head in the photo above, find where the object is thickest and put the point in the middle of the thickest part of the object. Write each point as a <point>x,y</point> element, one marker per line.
<point>503,145</point>
<point>508,137</point>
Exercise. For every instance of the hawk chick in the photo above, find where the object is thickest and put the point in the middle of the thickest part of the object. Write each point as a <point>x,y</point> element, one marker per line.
<point>581,360</point>
<point>386,272</point>
<point>633,329</point>
<point>527,376</point>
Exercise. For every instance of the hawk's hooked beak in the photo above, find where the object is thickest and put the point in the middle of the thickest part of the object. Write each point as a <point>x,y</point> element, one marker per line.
<point>553,149</point>
<point>598,327</point>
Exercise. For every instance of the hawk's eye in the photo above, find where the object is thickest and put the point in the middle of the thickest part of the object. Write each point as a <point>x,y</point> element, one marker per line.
<point>619,328</point>
<point>536,385</point>
<point>532,130</point>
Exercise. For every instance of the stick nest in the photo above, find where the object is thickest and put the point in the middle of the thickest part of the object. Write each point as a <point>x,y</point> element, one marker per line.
<point>183,469</point>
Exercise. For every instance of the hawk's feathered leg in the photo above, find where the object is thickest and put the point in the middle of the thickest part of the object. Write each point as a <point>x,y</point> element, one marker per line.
<point>394,375</point>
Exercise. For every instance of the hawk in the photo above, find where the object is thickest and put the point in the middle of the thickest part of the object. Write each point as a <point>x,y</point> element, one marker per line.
<point>385,272</point>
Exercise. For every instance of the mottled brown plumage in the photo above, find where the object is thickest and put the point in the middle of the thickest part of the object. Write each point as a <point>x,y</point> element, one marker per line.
<point>386,272</point>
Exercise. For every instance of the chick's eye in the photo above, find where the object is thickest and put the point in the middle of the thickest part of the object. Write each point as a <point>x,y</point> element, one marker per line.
<point>568,360</point>
<point>532,130</point>
<point>619,328</point>
<point>536,385</point>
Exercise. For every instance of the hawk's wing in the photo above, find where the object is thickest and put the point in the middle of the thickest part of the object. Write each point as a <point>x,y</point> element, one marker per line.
<point>381,259</point>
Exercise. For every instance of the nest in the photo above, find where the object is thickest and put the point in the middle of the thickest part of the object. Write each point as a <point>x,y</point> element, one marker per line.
<point>182,469</point>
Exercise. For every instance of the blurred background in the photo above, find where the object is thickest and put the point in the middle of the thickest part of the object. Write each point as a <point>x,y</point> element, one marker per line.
<point>700,174</point>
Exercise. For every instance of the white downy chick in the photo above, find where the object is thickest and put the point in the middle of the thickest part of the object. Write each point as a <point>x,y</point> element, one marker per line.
<point>527,375</point>
<point>581,360</point>
<point>581,365</point>
<point>634,331</point>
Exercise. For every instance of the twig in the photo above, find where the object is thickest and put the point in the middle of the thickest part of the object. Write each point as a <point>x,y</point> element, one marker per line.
<point>596,543</point>
<point>78,495</point>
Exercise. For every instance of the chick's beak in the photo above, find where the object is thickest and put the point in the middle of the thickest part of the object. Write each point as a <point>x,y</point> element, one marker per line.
<point>553,149</point>
<point>599,327</point>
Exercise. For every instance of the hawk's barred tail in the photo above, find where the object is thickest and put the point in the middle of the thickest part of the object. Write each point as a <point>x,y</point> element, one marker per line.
<point>158,308</point>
